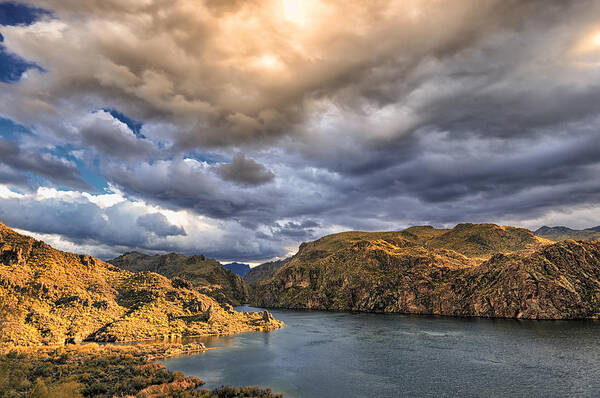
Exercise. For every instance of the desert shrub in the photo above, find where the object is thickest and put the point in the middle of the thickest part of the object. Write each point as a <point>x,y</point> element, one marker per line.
<point>98,371</point>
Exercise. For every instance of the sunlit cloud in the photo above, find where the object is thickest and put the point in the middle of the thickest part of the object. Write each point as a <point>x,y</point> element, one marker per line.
<point>302,12</point>
<point>268,61</point>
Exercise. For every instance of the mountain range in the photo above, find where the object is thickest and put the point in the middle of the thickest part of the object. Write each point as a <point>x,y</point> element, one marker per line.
<point>49,296</point>
<point>470,270</point>
<point>560,233</point>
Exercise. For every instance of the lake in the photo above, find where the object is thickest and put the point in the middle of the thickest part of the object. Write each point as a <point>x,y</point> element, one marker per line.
<point>322,354</point>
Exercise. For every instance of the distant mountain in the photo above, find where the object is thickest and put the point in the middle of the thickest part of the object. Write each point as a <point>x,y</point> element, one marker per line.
<point>207,275</point>
<point>470,270</point>
<point>238,268</point>
<point>560,233</point>
<point>48,296</point>
<point>545,230</point>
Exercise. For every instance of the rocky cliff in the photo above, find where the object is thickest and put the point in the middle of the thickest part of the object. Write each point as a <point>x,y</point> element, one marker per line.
<point>263,272</point>
<point>206,274</point>
<point>471,270</point>
<point>49,296</point>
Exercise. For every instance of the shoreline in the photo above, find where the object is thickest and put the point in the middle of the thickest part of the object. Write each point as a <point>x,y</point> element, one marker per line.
<point>430,315</point>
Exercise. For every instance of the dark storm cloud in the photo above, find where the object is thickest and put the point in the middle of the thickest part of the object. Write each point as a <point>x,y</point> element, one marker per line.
<point>158,224</point>
<point>112,230</point>
<point>10,176</point>
<point>111,137</point>
<point>448,169</point>
<point>189,184</point>
<point>245,171</point>
<point>296,231</point>
<point>57,170</point>
<point>80,221</point>
<point>448,180</point>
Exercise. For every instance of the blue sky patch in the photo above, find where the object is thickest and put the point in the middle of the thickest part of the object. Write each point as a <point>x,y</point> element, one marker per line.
<point>12,14</point>
<point>134,125</point>
<point>12,66</point>
<point>10,130</point>
<point>91,174</point>
<point>208,157</point>
<point>89,171</point>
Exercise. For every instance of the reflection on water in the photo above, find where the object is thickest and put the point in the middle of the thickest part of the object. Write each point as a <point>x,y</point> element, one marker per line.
<point>323,354</point>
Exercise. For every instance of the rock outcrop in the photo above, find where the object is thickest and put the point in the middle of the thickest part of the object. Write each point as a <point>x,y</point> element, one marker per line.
<point>471,270</point>
<point>205,274</point>
<point>48,296</point>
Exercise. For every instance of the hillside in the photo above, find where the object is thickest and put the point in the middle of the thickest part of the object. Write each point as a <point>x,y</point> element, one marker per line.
<point>238,268</point>
<point>558,234</point>
<point>483,240</point>
<point>470,270</point>
<point>207,275</point>
<point>263,272</point>
<point>49,296</point>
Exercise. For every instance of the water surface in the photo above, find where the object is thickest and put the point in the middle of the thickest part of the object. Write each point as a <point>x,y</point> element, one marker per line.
<point>321,354</point>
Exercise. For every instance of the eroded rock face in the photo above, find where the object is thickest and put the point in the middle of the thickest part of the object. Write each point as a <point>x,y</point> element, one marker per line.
<point>421,274</point>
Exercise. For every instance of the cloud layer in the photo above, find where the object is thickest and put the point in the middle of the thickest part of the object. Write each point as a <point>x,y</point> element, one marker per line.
<point>266,123</point>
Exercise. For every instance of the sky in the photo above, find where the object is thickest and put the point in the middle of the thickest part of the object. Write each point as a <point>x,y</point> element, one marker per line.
<point>241,128</point>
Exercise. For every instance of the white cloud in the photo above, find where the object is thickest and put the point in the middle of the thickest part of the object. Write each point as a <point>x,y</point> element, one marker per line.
<point>107,225</point>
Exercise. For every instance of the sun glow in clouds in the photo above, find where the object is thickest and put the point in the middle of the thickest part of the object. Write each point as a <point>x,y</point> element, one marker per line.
<point>588,43</point>
<point>268,61</point>
<point>298,11</point>
<point>586,53</point>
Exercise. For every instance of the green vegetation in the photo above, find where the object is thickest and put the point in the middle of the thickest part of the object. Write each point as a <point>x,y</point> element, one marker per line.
<point>484,240</point>
<point>100,371</point>
<point>470,270</point>
<point>207,275</point>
